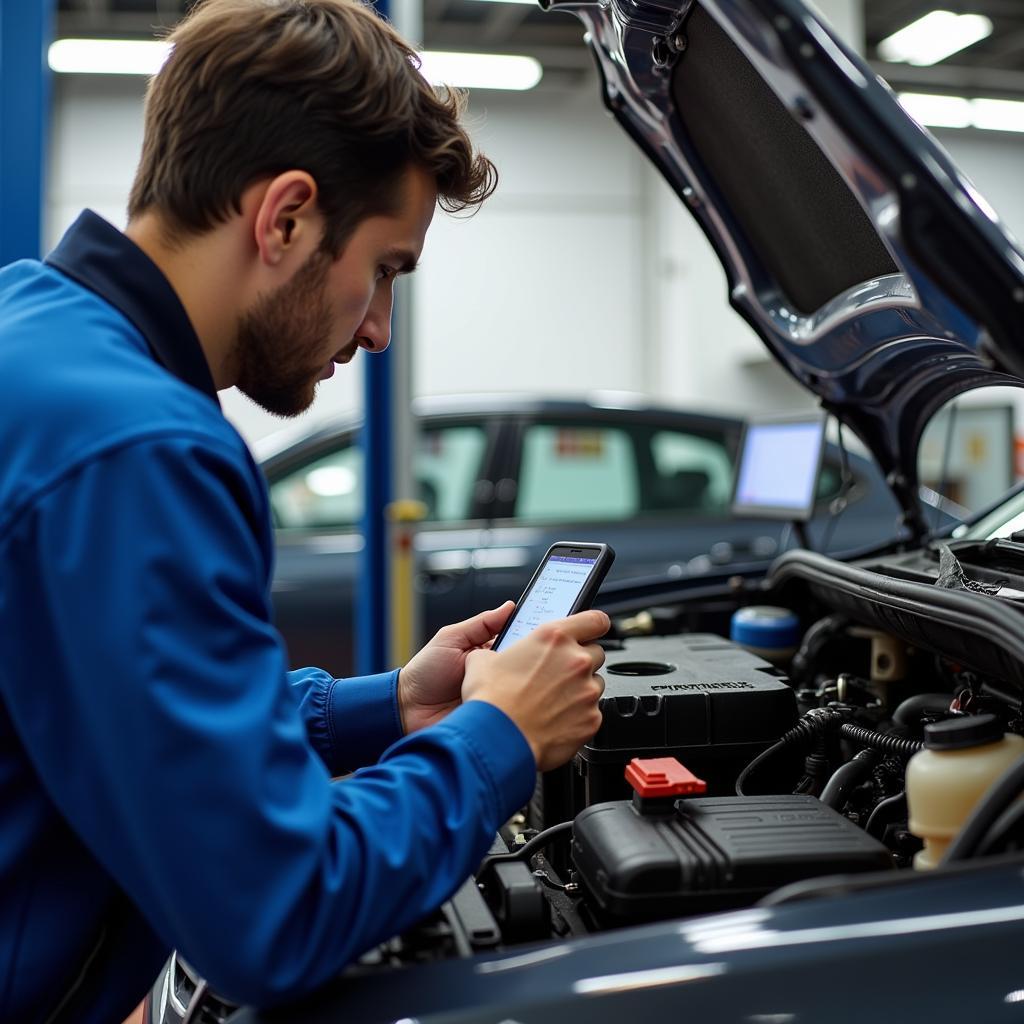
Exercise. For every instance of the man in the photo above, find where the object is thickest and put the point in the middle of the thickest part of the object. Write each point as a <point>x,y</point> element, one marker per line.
<point>163,782</point>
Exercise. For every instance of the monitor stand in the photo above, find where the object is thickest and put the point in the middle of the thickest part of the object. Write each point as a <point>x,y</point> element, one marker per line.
<point>802,536</point>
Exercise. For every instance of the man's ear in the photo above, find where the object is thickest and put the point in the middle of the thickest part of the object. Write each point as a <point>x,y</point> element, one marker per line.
<point>287,222</point>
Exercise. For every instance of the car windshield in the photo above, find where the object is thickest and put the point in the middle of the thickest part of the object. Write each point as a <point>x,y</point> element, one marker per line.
<point>1004,520</point>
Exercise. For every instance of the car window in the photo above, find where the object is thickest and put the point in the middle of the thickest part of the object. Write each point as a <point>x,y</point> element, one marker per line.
<point>577,473</point>
<point>447,469</point>
<point>691,473</point>
<point>327,492</point>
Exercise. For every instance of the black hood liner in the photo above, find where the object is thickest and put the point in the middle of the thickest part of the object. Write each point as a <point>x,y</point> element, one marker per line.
<point>852,245</point>
<point>796,211</point>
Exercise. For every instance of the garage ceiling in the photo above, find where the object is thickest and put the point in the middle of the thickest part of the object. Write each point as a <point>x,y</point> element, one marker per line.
<point>994,66</point>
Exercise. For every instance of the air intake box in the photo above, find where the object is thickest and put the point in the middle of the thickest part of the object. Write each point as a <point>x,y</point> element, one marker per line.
<point>699,698</point>
<point>708,854</point>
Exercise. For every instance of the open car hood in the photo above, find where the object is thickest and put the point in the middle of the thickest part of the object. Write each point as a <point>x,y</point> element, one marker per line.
<point>866,262</point>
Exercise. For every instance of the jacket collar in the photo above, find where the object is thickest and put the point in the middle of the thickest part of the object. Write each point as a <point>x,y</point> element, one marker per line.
<point>104,260</point>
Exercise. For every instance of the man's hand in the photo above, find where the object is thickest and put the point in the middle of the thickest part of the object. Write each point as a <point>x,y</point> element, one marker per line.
<point>547,684</point>
<point>430,685</point>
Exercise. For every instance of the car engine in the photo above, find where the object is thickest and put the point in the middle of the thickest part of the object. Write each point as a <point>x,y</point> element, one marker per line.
<point>755,742</point>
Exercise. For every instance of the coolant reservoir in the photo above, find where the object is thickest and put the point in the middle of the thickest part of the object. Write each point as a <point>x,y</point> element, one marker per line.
<point>962,758</point>
<point>769,632</point>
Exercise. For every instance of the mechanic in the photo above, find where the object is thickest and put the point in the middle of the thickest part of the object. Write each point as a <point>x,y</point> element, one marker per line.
<point>164,781</point>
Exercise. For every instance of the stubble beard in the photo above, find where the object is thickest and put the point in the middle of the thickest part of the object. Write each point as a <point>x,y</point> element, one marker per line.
<point>281,341</point>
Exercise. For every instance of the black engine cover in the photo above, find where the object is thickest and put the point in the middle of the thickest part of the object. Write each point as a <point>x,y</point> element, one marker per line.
<point>711,853</point>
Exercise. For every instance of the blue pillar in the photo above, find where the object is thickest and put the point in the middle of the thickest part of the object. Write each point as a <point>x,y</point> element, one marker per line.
<point>372,603</point>
<point>25,31</point>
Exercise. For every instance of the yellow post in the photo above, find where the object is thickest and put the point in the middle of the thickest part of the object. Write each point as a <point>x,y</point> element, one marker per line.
<point>403,515</point>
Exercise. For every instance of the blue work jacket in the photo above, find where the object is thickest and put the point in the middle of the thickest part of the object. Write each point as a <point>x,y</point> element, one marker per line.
<point>164,781</point>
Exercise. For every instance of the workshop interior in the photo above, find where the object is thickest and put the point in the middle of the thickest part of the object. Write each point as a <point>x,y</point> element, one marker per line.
<point>743,326</point>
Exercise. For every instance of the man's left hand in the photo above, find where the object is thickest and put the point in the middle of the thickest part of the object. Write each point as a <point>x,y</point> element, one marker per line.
<point>429,687</point>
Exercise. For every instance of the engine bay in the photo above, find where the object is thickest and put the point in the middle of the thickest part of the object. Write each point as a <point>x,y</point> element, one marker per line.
<point>729,773</point>
<point>787,765</point>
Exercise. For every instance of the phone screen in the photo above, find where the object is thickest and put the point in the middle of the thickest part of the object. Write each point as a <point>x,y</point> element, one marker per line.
<point>552,595</point>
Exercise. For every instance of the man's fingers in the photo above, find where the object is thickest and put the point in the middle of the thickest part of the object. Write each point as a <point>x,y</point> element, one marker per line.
<point>596,653</point>
<point>495,619</point>
<point>585,626</point>
<point>475,632</point>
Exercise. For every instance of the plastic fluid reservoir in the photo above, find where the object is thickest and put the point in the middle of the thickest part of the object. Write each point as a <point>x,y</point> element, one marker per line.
<point>962,759</point>
<point>773,633</point>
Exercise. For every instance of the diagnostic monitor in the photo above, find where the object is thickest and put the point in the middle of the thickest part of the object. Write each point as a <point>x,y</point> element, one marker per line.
<point>779,463</point>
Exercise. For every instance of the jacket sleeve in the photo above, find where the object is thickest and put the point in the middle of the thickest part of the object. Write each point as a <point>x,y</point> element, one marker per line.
<point>153,700</point>
<point>350,722</point>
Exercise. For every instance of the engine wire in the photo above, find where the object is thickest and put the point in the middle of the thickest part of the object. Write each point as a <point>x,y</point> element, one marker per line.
<point>528,849</point>
<point>838,505</point>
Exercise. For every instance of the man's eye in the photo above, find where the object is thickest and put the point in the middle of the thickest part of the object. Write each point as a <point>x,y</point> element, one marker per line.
<point>384,272</point>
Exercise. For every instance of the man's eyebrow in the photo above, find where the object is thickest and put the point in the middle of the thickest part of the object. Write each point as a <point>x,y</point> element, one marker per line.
<point>405,258</point>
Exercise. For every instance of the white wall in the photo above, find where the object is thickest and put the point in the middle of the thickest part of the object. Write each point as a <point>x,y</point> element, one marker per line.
<point>994,161</point>
<point>544,289</point>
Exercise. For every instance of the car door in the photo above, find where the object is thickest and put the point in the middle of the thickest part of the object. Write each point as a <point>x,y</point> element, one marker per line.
<point>657,490</point>
<point>317,501</point>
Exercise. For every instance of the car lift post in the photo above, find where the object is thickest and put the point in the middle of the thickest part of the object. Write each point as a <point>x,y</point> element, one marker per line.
<point>25,33</point>
<point>386,609</point>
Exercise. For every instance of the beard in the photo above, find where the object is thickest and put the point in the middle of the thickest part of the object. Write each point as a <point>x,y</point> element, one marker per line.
<point>282,339</point>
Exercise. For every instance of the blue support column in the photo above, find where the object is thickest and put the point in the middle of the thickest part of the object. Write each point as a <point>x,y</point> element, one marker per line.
<point>372,601</point>
<point>26,27</point>
<point>372,606</point>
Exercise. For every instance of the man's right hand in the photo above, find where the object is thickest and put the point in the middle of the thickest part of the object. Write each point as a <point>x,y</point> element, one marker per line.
<point>547,684</point>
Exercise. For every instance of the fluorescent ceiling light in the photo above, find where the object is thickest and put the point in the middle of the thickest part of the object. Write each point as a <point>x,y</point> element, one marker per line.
<point>934,37</point>
<point>998,115</point>
<point>960,112</point>
<point>145,57</point>
<point>108,56</point>
<point>480,70</point>
<point>937,111</point>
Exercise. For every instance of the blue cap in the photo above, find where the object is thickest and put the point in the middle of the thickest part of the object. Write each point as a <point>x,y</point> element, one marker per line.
<point>765,626</point>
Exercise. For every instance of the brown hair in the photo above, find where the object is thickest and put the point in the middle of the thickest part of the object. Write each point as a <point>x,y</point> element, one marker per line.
<point>253,88</point>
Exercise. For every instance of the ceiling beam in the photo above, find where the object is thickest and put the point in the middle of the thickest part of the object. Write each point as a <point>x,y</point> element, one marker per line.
<point>1008,44</point>
<point>503,21</point>
<point>950,78</point>
<point>526,38</point>
<point>113,24</point>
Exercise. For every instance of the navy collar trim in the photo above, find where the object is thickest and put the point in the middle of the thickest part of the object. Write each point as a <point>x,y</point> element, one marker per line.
<point>107,262</point>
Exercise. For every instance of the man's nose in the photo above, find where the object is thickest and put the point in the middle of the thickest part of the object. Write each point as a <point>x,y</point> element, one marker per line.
<point>374,332</point>
<point>375,340</point>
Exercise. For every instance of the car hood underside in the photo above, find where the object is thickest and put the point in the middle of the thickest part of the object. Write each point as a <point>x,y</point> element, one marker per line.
<point>868,265</point>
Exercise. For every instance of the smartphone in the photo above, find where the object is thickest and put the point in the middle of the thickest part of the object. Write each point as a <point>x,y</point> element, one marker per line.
<point>566,581</point>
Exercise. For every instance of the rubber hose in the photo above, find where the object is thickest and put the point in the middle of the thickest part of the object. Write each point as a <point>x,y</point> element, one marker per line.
<point>879,816</point>
<point>817,635</point>
<point>528,849</point>
<point>846,776</point>
<point>908,714</point>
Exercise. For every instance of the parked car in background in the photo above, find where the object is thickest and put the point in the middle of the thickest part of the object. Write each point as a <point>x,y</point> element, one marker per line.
<point>502,478</point>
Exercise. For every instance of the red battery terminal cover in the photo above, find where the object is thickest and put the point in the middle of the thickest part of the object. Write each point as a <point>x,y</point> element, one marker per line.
<point>655,777</point>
